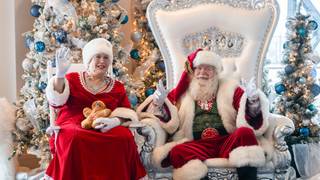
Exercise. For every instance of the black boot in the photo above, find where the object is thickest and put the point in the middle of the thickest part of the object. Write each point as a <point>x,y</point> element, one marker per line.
<point>247,173</point>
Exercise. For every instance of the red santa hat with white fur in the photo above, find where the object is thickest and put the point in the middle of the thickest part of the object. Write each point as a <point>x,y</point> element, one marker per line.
<point>195,59</point>
<point>96,46</point>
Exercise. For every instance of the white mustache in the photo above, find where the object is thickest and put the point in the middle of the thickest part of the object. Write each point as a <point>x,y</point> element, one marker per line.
<point>206,77</point>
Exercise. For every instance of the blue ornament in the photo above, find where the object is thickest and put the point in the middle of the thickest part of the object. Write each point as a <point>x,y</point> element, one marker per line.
<point>312,107</point>
<point>160,65</point>
<point>133,99</point>
<point>100,1</point>
<point>288,69</point>
<point>42,86</point>
<point>302,80</point>
<point>313,72</point>
<point>313,25</point>
<point>125,19</point>
<point>149,92</point>
<point>35,10</point>
<point>304,131</point>
<point>302,31</point>
<point>115,72</point>
<point>28,40</point>
<point>134,54</point>
<point>115,1</point>
<point>39,46</point>
<point>315,89</point>
<point>61,36</point>
<point>279,88</point>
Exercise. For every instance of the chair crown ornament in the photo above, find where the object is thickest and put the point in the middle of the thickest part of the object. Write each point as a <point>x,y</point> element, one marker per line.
<point>237,30</point>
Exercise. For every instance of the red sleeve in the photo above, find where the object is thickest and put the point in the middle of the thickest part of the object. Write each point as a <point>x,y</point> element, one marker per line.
<point>237,97</point>
<point>124,101</point>
<point>255,122</point>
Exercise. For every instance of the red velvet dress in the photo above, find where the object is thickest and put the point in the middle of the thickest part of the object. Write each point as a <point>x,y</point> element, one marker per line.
<point>90,154</point>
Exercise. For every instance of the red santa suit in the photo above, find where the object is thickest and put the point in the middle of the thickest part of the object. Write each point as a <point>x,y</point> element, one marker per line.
<point>90,154</point>
<point>190,157</point>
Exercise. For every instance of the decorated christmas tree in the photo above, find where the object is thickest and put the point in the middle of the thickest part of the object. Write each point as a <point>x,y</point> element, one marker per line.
<point>299,87</point>
<point>150,67</point>
<point>69,23</point>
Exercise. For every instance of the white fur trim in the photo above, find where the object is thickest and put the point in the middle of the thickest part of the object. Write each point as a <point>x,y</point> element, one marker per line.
<point>161,152</point>
<point>172,125</point>
<point>193,170</point>
<point>96,46</point>
<point>209,58</point>
<point>241,120</point>
<point>7,119</point>
<point>247,156</point>
<point>126,113</point>
<point>226,110</point>
<point>55,98</point>
<point>186,114</point>
<point>218,162</point>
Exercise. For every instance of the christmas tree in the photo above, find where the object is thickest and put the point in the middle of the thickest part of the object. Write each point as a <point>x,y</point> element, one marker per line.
<point>150,67</point>
<point>69,23</point>
<point>298,87</point>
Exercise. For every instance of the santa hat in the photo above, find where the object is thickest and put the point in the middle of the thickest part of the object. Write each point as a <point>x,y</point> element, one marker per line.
<point>194,59</point>
<point>96,46</point>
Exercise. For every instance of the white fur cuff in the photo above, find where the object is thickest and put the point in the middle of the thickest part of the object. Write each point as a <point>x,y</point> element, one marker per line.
<point>55,98</point>
<point>247,156</point>
<point>125,113</point>
<point>193,170</point>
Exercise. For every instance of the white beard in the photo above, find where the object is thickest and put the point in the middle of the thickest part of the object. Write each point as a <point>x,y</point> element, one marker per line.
<point>203,90</point>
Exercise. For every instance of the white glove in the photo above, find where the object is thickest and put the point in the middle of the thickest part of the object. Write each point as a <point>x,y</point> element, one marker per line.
<point>105,124</point>
<point>254,107</point>
<point>62,61</point>
<point>251,90</point>
<point>160,94</point>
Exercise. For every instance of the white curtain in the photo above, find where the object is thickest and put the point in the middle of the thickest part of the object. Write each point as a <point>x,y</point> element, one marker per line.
<point>307,159</point>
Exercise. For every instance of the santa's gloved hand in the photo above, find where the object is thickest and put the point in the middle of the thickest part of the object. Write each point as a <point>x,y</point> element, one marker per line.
<point>105,124</point>
<point>251,90</point>
<point>62,61</point>
<point>160,94</point>
<point>253,103</point>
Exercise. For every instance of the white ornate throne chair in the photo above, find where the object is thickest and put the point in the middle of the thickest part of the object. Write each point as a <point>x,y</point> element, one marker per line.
<point>240,32</point>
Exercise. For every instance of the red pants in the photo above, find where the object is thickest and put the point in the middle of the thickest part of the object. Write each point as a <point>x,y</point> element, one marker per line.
<point>217,147</point>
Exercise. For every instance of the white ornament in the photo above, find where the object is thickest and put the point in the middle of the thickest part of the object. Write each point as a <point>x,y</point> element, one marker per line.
<point>27,65</point>
<point>136,36</point>
<point>92,20</point>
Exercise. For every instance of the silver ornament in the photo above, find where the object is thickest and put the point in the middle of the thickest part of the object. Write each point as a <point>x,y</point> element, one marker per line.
<point>27,65</point>
<point>136,36</point>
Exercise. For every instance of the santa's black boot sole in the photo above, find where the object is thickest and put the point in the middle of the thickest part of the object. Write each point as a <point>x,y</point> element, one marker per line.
<point>247,173</point>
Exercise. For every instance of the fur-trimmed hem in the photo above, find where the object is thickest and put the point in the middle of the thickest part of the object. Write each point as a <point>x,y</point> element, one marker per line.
<point>161,152</point>
<point>241,120</point>
<point>125,113</point>
<point>227,87</point>
<point>218,162</point>
<point>55,98</point>
<point>172,125</point>
<point>247,156</point>
<point>193,170</point>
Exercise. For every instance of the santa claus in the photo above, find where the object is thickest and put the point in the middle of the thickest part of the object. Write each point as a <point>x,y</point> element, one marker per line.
<point>209,120</point>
